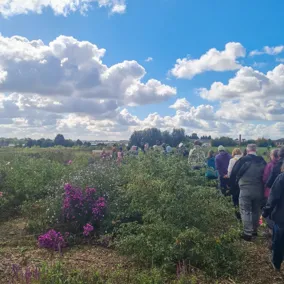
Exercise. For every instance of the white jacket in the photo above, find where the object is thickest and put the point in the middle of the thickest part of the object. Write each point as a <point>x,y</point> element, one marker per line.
<point>232,163</point>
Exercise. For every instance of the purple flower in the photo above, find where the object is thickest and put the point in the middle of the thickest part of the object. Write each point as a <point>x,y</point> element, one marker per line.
<point>52,240</point>
<point>87,229</point>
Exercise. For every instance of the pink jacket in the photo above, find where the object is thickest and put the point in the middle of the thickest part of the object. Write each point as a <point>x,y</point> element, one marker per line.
<point>266,174</point>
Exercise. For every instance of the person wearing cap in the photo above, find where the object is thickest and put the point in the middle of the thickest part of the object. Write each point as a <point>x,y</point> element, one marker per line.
<point>222,161</point>
<point>249,172</point>
<point>196,157</point>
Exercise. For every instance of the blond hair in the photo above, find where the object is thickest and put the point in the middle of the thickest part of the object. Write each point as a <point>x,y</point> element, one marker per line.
<point>236,151</point>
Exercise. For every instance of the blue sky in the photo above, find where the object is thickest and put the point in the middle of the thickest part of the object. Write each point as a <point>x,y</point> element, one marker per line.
<point>164,30</point>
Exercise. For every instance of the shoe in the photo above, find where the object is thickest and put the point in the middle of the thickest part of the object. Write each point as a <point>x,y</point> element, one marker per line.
<point>246,238</point>
<point>273,265</point>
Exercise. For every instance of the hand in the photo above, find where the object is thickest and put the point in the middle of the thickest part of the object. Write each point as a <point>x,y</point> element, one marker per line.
<point>225,176</point>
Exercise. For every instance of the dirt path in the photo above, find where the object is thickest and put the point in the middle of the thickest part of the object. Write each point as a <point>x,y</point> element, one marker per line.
<point>17,247</point>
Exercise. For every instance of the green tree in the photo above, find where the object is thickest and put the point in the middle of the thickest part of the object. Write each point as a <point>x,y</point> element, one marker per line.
<point>79,142</point>
<point>178,135</point>
<point>59,140</point>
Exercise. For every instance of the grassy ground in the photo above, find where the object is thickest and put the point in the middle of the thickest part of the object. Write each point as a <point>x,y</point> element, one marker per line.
<point>17,247</point>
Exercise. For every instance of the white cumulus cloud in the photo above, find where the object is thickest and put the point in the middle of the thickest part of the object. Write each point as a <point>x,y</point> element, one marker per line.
<point>70,68</point>
<point>274,50</point>
<point>60,7</point>
<point>212,60</point>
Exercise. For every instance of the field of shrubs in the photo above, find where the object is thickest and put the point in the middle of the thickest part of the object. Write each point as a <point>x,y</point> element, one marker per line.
<point>68,218</point>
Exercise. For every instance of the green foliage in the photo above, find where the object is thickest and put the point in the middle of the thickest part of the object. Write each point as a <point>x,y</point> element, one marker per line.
<point>182,219</point>
<point>224,141</point>
<point>152,135</point>
<point>28,176</point>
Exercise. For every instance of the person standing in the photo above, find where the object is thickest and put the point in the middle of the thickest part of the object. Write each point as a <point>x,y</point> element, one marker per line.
<point>275,209</point>
<point>236,155</point>
<point>211,159</point>
<point>221,163</point>
<point>274,157</point>
<point>276,169</point>
<point>120,155</point>
<point>234,188</point>
<point>196,156</point>
<point>249,172</point>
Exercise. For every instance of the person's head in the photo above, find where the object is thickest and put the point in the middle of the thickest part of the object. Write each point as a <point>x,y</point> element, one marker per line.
<point>281,153</point>
<point>251,148</point>
<point>169,149</point>
<point>274,154</point>
<point>236,151</point>
<point>120,149</point>
<point>221,148</point>
<point>210,154</point>
<point>197,143</point>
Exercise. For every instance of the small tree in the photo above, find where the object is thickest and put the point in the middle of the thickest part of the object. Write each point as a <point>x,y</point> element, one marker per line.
<point>79,142</point>
<point>59,140</point>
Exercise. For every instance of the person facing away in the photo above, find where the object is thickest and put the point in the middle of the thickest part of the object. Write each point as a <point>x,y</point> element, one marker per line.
<point>234,188</point>
<point>249,175</point>
<point>276,169</point>
<point>196,156</point>
<point>211,159</point>
<point>274,156</point>
<point>236,155</point>
<point>275,210</point>
<point>221,163</point>
<point>120,155</point>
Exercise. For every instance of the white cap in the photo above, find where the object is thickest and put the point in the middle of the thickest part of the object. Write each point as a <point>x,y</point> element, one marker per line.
<point>221,148</point>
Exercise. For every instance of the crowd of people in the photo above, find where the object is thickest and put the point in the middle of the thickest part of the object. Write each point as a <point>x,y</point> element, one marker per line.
<point>256,187</point>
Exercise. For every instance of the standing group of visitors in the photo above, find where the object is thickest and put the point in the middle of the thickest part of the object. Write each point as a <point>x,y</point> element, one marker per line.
<point>254,185</point>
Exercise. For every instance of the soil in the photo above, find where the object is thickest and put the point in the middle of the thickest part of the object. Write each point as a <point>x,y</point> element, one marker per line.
<point>18,247</point>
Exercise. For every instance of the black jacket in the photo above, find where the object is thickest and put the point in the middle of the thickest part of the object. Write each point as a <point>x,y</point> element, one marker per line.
<point>275,204</point>
<point>240,168</point>
<point>274,173</point>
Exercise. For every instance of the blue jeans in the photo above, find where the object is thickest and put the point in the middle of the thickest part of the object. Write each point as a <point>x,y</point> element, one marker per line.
<point>277,246</point>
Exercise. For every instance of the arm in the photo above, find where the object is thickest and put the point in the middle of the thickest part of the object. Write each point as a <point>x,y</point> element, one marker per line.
<point>266,173</point>
<point>275,195</point>
<point>272,177</point>
<point>217,163</point>
<point>230,167</point>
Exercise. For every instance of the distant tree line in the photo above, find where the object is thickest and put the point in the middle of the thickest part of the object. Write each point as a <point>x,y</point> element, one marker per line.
<point>227,141</point>
<point>154,135</point>
<point>59,140</point>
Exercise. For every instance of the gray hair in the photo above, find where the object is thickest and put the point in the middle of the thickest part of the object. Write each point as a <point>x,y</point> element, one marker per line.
<point>251,147</point>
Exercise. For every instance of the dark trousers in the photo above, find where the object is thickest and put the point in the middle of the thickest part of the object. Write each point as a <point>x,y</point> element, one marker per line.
<point>224,185</point>
<point>278,246</point>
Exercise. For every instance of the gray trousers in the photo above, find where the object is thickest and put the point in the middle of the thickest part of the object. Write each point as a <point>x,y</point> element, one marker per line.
<point>250,209</point>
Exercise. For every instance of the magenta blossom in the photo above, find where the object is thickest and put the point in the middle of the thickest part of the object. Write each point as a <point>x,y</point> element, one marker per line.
<point>52,240</point>
<point>88,229</point>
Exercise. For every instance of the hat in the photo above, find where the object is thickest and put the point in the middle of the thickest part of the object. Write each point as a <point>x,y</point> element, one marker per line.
<point>221,148</point>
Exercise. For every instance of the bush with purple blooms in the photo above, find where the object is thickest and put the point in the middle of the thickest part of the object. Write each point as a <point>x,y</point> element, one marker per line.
<point>81,207</point>
<point>52,240</point>
<point>87,230</point>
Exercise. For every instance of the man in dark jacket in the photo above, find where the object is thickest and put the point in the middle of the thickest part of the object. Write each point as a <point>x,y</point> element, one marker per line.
<point>248,172</point>
<point>275,209</point>
<point>276,170</point>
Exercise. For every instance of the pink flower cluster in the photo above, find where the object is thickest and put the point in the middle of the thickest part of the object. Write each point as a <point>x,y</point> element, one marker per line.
<point>52,240</point>
<point>87,230</point>
<point>83,207</point>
